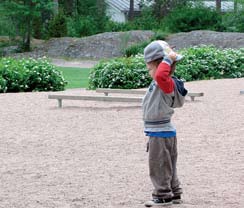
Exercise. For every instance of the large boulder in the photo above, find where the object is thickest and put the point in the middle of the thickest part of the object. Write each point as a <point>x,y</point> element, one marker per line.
<point>205,37</point>
<point>112,44</point>
<point>105,45</point>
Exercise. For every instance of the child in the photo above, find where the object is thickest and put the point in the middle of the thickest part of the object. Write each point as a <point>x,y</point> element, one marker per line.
<point>162,96</point>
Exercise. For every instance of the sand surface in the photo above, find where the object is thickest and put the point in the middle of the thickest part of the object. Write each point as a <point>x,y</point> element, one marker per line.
<point>92,154</point>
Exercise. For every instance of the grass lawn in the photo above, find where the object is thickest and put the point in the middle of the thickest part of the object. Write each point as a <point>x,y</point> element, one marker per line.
<point>76,77</point>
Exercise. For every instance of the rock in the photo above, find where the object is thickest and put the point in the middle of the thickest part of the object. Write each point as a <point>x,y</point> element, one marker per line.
<point>105,45</point>
<point>9,50</point>
<point>205,37</point>
<point>112,44</point>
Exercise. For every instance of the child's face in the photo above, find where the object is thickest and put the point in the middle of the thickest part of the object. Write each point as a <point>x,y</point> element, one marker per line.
<point>152,67</point>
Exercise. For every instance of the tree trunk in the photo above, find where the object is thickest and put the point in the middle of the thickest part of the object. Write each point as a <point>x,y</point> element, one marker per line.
<point>235,5</point>
<point>163,7</point>
<point>131,11</point>
<point>55,7</point>
<point>27,29</point>
<point>218,5</point>
<point>101,15</point>
<point>69,7</point>
<point>27,41</point>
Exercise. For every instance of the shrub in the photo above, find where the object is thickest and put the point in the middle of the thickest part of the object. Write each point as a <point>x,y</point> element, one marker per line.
<point>3,86</point>
<point>139,48</point>
<point>233,22</point>
<point>57,26</point>
<point>7,26</point>
<point>40,75</point>
<point>125,73</point>
<point>136,49</point>
<point>12,72</point>
<point>205,62</point>
<point>25,75</point>
<point>160,35</point>
<point>81,26</point>
<point>145,21</point>
<point>185,19</point>
<point>208,62</point>
<point>112,26</point>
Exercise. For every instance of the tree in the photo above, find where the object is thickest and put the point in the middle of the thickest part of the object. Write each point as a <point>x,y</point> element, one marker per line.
<point>131,10</point>
<point>22,13</point>
<point>100,18</point>
<point>163,7</point>
<point>69,7</point>
<point>79,7</point>
<point>55,7</point>
<point>218,5</point>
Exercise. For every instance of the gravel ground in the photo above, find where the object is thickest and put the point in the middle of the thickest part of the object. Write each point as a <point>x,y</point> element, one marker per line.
<point>92,154</point>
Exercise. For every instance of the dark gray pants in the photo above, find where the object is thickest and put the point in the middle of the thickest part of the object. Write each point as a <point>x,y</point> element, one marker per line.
<point>162,167</point>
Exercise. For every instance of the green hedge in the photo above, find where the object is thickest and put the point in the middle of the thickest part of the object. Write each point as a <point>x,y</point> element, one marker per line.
<point>136,49</point>
<point>26,75</point>
<point>125,73</point>
<point>205,62</point>
<point>189,18</point>
<point>208,62</point>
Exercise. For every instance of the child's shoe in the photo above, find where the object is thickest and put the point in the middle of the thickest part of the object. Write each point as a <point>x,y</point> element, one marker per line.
<point>158,202</point>
<point>177,200</point>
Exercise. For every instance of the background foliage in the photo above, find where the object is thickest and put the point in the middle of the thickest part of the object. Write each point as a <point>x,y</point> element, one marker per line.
<point>125,73</point>
<point>188,18</point>
<point>20,16</point>
<point>208,62</point>
<point>139,48</point>
<point>44,19</point>
<point>26,75</point>
<point>205,62</point>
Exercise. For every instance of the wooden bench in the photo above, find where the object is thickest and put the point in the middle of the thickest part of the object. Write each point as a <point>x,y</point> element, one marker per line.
<point>192,95</point>
<point>106,91</point>
<point>93,98</point>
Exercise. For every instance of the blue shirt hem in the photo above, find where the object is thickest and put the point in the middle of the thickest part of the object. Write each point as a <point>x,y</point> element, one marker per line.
<point>162,134</point>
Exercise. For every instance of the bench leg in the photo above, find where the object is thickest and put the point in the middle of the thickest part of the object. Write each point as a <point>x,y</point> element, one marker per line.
<point>192,98</point>
<point>60,103</point>
<point>106,93</point>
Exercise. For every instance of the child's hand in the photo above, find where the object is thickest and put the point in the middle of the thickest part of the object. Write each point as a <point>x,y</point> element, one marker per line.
<point>172,55</point>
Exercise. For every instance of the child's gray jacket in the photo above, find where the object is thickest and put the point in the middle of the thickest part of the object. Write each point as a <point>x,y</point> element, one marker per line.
<point>158,107</point>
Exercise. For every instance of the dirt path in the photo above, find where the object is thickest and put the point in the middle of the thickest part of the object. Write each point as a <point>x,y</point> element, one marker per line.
<point>92,154</point>
<point>74,63</point>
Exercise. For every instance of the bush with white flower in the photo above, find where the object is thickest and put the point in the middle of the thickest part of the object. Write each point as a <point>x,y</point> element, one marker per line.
<point>208,62</point>
<point>199,63</point>
<point>26,75</point>
<point>124,73</point>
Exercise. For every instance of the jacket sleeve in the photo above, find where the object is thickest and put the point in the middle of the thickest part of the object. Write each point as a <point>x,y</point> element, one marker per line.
<point>163,78</point>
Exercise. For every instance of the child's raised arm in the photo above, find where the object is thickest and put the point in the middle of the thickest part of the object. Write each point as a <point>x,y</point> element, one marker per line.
<point>164,72</point>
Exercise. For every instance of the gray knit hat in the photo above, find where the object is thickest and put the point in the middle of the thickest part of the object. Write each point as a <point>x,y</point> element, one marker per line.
<point>153,51</point>
<point>158,49</point>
